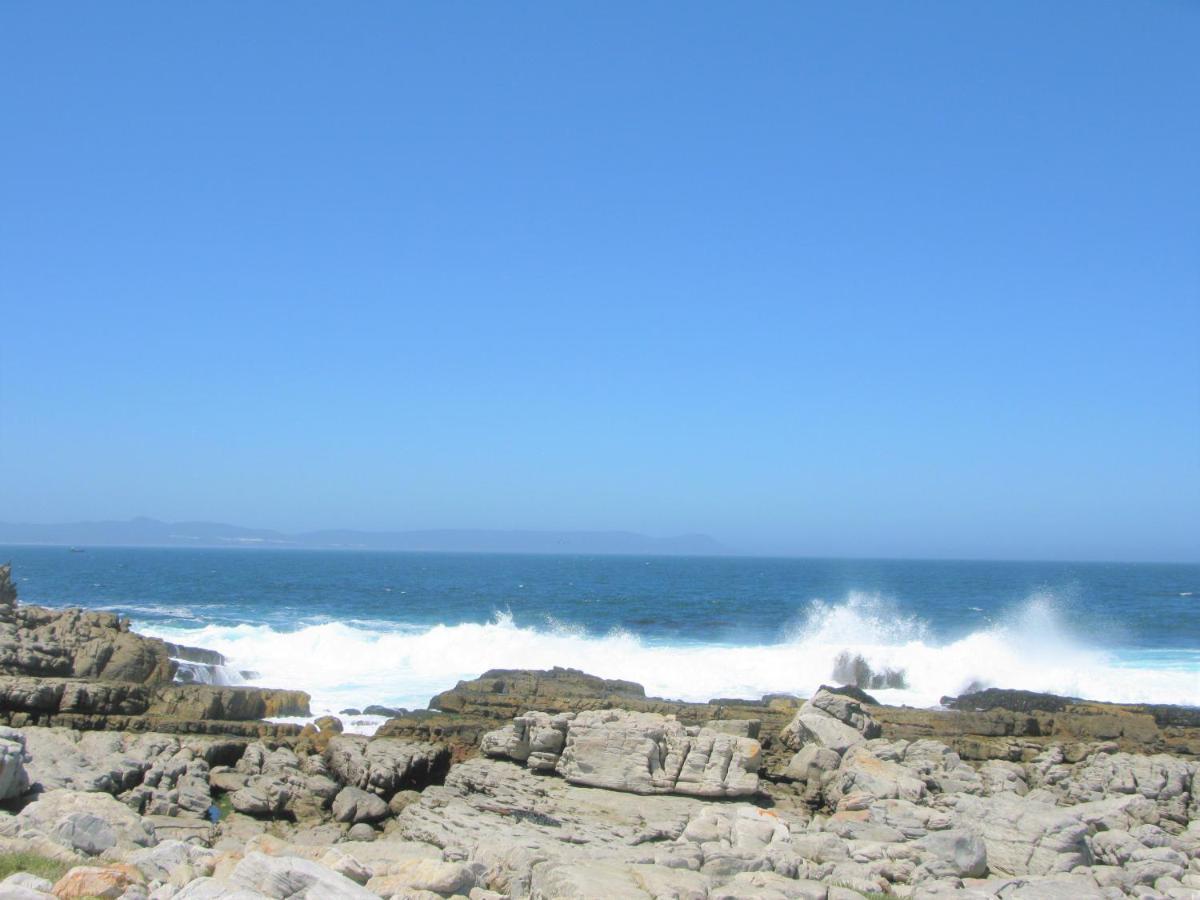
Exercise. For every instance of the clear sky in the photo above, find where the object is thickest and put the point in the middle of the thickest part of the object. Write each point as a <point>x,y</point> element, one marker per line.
<point>824,279</point>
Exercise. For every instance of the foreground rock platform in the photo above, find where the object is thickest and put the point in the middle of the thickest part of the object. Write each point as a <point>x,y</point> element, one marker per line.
<point>601,803</point>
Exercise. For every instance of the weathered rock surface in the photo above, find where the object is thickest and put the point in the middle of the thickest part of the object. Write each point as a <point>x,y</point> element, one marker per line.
<point>834,721</point>
<point>14,780</point>
<point>87,822</point>
<point>643,753</point>
<point>40,697</point>
<point>289,877</point>
<point>75,643</point>
<point>270,783</point>
<point>501,695</point>
<point>385,766</point>
<point>355,805</point>
<point>87,670</point>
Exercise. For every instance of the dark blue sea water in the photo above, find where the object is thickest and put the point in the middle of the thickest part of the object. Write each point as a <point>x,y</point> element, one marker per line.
<point>356,628</point>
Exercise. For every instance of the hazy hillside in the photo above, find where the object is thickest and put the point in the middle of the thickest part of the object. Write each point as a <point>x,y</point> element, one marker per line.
<point>144,532</point>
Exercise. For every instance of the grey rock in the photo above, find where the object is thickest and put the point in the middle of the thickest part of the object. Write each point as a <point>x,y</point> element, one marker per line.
<point>87,822</point>
<point>211,889</point>
<point>402,799</point>
<point>531,733</point>
<point>770,886</point>
<point>384,766</point>
<point>356,805</point>
<point>291,877</point>
<point>955,853</point>
<point>638,752</point>
<point>863,778</point>
<point>440,877</point>
<point>28,881</point>
<point>1025,838</point>
<point>14,780</point>
<point>830,720</point>
<point>20,892</point>
<point>822,730</point>
<point>362,831</point>
<point>158,863</point>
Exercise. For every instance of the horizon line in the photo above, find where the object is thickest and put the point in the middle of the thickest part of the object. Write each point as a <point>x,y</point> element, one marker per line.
<point>730,554</point>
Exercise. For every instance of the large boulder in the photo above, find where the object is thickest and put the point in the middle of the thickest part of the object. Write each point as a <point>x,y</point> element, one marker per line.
<point>355,805</point>
<point>954,853</point>
<point>1025,837</point>
<point>408,876</point>
<point>649,753</point>
<point>14,780</point>
<point>266,783</point>
<point>385,766</point>
<point>97,882</point>
<point>643,753</point>
<point>863,778</point>
<point>830,719</point>
<point>293,878</point>
<point>89,823</point>
<point>536,739</point>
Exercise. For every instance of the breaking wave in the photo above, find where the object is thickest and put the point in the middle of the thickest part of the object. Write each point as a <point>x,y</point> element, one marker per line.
<point>355,664</point>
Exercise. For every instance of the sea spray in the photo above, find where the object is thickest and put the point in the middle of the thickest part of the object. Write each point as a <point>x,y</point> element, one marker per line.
<point>351,665</point>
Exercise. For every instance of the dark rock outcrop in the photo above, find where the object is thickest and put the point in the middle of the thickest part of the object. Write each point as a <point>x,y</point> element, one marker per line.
<point>1015,701</point>
<point>87,670</point>
<point>503,693</point>
<point>75,643</point>
<point>178,701</point>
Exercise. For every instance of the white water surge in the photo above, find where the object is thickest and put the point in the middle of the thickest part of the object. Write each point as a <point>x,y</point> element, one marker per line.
<point>356,664</point>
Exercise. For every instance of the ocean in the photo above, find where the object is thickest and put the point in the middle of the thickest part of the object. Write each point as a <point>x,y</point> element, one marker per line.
<point>358,628</point>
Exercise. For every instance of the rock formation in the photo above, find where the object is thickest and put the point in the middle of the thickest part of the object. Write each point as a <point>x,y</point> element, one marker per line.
<point>585,788</point>
<point>642,753</point>
<point>88,670</point>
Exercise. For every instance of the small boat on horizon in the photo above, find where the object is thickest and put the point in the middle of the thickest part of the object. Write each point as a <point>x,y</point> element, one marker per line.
<point>76,549</point>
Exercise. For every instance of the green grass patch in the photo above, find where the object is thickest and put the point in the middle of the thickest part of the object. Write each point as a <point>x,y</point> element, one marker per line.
<point>42,866</point>
<point>225,805</point>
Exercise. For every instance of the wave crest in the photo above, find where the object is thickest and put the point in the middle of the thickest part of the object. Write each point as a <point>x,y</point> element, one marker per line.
<point>348,665</point>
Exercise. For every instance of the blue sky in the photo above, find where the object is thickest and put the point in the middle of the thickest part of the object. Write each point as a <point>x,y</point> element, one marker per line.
<point>824,279</point>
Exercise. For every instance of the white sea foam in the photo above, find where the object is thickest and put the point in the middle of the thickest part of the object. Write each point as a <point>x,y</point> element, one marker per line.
<point>344,665</point>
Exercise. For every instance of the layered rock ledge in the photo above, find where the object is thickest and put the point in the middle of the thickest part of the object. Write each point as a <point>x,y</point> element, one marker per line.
<point>88,670</point>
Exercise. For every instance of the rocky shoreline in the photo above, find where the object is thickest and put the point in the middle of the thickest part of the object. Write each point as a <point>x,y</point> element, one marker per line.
<point>560,784</point>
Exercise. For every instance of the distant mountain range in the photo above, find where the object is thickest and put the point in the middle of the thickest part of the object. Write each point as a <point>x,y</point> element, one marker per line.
<point>143,532</point>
